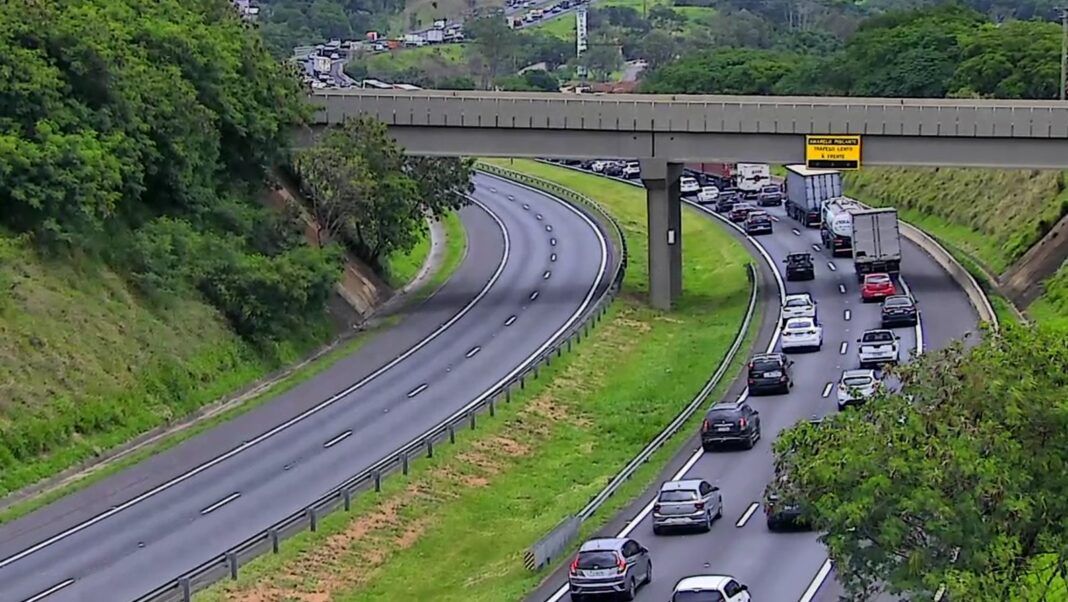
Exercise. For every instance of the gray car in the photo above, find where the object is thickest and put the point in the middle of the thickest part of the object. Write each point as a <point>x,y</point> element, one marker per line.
<point>687,503</point>
<point>609,567</point>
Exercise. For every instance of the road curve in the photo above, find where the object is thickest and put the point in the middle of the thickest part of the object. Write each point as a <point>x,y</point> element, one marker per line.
<point>534,265</point>
<point>782,567</point>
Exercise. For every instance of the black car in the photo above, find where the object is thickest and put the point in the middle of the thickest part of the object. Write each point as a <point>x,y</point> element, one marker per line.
<point>730,423</point>
<point>614,170</point>
<point>783,515</point>
<point>899,310</point>
<point>758,222</point>
<point>725,202</point>
<point>769,372</point>
<point>799,267</point>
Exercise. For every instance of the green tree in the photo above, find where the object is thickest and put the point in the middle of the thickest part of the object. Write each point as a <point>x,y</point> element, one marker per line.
<point>1015,60</point>
<point>602,57</point>
<point>960,482</point>
<point>731,71</point>
<point>658,48</point>
<point>495,45</point>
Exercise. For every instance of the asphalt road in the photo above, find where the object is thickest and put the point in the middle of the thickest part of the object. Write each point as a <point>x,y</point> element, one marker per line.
<point>783,567</point>
<point>136,530</point>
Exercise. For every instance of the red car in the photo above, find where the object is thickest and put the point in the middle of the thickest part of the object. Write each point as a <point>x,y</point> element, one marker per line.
<point>877,286</point>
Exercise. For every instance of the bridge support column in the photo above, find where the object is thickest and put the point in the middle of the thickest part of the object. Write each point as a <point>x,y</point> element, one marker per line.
<point>664,202</point>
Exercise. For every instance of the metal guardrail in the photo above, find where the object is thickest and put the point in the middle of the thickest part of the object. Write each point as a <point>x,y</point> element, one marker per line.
<point>228,563</point>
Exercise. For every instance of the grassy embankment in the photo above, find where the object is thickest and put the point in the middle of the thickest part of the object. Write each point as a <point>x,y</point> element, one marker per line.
<point>402,268</point>
<point>457,528</point>
<point>564,26</point>
<point>986,218</point>
<point>73,335</point>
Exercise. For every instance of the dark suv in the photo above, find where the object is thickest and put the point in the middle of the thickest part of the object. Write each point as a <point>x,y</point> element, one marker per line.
<point>730,423</point>
<point>799,266</point>
<point>783,515</point>
<point>769,372</point>
<point>725,201</point>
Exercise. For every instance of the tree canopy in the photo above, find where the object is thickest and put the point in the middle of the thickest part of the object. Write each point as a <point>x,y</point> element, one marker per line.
<point>961,481</point>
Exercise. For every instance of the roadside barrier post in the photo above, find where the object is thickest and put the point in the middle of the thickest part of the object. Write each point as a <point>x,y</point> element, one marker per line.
<point>378,481</point>
<point>492,409</point>
<point>473,421</point>
<point>231,559</point>
<point>313,519</point>
<point>187,593</point>
<point>429,448</point>
<point>346,496</point>
<point>452,434</point>
<point>404,464</point>
<point>273,534</point>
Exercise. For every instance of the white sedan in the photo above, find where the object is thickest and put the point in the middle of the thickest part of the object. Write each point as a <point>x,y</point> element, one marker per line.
<point>801,305</point>
<point>856,386</point>
<point>708,194</point>
<point>802,333</point>
<point>688,185</point>
<point>722,588</point>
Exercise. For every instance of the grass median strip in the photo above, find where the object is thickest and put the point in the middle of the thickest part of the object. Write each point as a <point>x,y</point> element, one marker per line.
<point>458,526</point>
<point>455,249</point>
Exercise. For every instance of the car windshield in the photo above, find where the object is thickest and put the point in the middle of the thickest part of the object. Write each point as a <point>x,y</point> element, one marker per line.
<point>678,496</point>
<point>799,324</point>
<point>597,559</point>
<point>697,596</point>
<point>877,279</point>
<point>857,381</point>
<point>764,365</point>
<point>797,302</point>
<point>878,337</point>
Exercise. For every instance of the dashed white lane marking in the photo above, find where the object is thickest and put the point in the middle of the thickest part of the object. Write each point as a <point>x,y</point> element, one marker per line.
<point>48,592</point>
<point>219,504</point>
<point>534,295</point>
<point>552,242</point>
<point>539,217</point>
<point>827,389</point>
<point>831,265</point>
<point>848,315</point>
<point>548,228</point>
<point>546,275</point>
<point>473,351</point>
<point>417,390</point>
<point>842,349</point>
<point>338,439</point>
<point>796,231</point>
<point>748,513</point>
<point>509,321</point>
<point>841,288</point>
<point>817,581</point>
<point>552,257</point>
<point>816,248</point>
<point>526,207</point>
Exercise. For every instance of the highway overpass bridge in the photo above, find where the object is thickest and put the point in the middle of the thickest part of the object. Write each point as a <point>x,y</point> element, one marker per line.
<point>665,131</point>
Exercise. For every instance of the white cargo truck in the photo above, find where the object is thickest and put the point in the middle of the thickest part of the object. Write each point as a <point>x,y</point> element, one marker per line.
<point>806,189</point>
<point>836,225</point>
<point>751,178</point>
<point>876,242</point>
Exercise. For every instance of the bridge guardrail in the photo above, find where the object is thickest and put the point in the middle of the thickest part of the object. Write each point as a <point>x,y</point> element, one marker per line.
<point>227,563</point>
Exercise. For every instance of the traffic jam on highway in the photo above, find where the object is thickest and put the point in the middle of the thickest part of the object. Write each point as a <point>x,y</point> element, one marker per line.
<point>811,224</point>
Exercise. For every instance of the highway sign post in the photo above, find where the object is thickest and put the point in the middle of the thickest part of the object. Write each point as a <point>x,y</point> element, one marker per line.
<point>832,152</point>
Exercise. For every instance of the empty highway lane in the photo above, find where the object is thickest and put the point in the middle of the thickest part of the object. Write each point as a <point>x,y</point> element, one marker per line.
<point>534,265</point>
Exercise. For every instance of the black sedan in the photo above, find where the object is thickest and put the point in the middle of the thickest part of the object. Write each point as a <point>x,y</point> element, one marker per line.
<point>758,222</point>
<point>899,310</point>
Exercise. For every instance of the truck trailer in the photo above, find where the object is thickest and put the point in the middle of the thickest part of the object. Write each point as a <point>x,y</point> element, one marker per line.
<point>836,225</point>
<point>806,189</point>
<point>720,174</point>
<point>876,242</point>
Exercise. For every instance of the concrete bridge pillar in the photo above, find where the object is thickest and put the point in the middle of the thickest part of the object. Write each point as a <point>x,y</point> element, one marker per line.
<point>664,201</point>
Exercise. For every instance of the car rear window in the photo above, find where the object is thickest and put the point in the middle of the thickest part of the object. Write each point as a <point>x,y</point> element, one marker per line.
<point>764,365</point>
<point>800,323</point>
<point>897,302</point>
<point>597,559</point>
<point>679,495</point>
<point>797,302</point>
<point>857,381</point>
<point>880,279</point>
<point>728,415</point>
<point>877,337</point>
<point>697,596</point>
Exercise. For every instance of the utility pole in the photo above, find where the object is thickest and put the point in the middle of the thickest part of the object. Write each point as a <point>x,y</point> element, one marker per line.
<point>1064,50</point>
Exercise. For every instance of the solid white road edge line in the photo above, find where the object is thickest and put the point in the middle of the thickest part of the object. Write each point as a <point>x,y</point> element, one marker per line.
<point>287,424</point>
<point>219,504</point>
<point>634,522</point>
<point>748,513</point>
<point>48,592</point>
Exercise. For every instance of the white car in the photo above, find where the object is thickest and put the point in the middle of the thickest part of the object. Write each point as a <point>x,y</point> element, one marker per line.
<point>688,185</point>
<point>856,386</point>
<point>802,333</point>
<point>878,346</point>
<point>632,170</point>
<point>722,588</point>
<point>800,305</point>
<point>708,194</point>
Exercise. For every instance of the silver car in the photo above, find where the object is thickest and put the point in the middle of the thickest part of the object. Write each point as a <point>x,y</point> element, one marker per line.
<point>687,503</point>
<point>609,567</point>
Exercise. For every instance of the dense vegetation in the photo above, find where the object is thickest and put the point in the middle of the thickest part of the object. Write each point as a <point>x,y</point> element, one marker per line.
<point>940,51</point>
<point>960,483</point>
<point>289,23</point>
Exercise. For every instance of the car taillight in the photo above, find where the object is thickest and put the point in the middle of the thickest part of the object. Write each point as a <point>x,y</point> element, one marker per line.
<point>699,505</point>
<point>705,425</point>
<point>574,565</point>
<point>742,423</point>
<point>621,563</point>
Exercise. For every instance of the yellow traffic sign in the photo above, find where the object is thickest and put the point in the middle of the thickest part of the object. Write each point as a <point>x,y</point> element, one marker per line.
<point>832,152</point>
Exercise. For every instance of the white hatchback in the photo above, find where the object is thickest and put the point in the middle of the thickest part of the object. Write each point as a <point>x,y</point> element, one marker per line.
<point>697,588</point>
<point>688,185</point>
<point>802,333</point>
<point>800,305</point>
<point>708,194</point>
<point>856,386</point>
